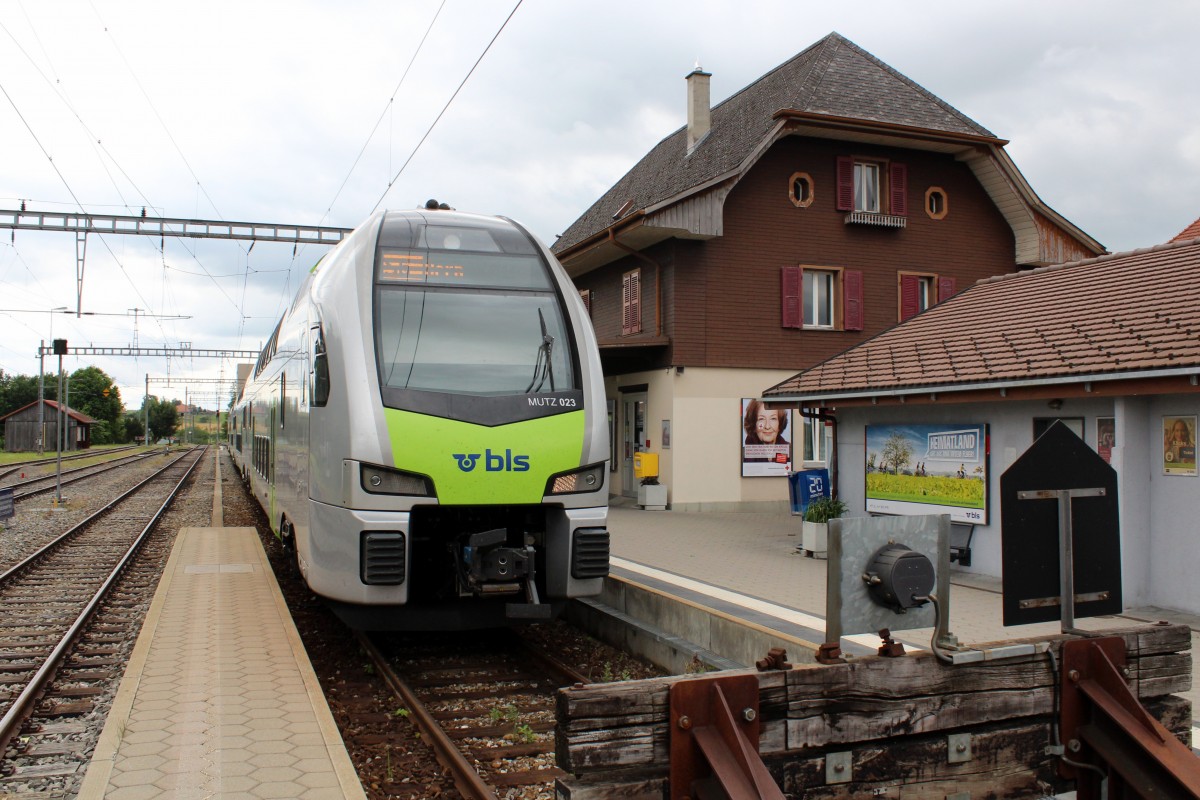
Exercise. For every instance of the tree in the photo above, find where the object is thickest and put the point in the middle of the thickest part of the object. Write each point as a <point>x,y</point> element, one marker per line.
<point>164,418</point>
<point>897,452</point>
<point>133,427</point>
<point>94,393</point>
<point>17,391</point>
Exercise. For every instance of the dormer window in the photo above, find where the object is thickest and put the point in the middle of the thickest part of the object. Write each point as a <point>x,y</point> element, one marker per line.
<point>874,191</point>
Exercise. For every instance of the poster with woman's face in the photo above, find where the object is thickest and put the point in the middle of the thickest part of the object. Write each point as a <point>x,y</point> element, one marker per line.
<point>1179,445</point>
<point>766,440</point>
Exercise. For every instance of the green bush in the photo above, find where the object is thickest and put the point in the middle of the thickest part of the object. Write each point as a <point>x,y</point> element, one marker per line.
<point>824,509</point>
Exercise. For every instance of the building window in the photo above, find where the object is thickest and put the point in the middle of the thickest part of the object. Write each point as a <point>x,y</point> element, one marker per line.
<point>866,187</point>
<point>872,186</point>
<point>631,302</point>
<point>815,449</point>
<point>818,298</point>
<point>801,190</point>
<point>822,298</point>
<point>936,202</point>
<point>918,291</point>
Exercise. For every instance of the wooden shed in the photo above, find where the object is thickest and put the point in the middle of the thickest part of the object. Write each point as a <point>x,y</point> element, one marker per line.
<point>21,428</point>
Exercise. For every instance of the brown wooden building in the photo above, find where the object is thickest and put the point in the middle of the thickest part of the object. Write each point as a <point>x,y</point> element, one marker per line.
<point>816,207</point>
<point>21,428</point>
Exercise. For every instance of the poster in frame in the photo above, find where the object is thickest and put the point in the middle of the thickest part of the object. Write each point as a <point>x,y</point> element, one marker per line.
<point>1106,437</point>
<point>919,468</point>
<point>1179,445</point>
<point>766,440</point>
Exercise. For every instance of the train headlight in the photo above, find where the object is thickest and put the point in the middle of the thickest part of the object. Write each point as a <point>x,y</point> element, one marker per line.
<point>381,480</point>
<point>585,479</point>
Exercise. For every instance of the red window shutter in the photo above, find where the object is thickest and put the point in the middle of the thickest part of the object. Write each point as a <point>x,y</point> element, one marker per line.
<point>631,303</point>
<point>946,287</point>
<point>626,281</point>
<point>793,293</point>
<point>586,296</point>
<point>845,183</point>
<point>852,299</point>
<point>899,189</point>
<point>910,286</point>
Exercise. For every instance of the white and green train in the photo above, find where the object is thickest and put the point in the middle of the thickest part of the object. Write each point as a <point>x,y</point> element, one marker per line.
<point>426,427</point>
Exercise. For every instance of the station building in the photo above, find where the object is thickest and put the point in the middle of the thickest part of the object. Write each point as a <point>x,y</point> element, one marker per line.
<point>21,428</point>
<point>814,208</point>
<point>1110,346</point>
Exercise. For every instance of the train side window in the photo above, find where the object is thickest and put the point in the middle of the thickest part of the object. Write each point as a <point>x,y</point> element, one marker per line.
<point>320,390</point>
<point>282,397</point>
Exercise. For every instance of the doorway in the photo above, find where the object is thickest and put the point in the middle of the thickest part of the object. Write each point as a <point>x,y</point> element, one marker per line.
<point>633,438</point>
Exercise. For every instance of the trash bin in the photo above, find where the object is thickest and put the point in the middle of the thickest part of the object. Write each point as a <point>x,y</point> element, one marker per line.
<point>805,485</point>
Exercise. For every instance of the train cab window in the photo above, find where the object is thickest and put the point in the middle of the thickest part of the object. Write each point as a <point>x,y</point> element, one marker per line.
<point>320,389</point>
<point>473,317</point>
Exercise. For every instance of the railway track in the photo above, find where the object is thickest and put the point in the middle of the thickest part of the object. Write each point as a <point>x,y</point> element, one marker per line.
<point>486,706</point>
<point>32,487</point>
<point>47,601</point>
<point>17,466</point>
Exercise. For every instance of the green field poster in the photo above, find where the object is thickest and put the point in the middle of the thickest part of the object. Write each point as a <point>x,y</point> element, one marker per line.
<point>928,469</point>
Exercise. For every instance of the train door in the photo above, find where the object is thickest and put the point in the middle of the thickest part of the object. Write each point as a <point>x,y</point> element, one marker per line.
<point>633,438</point>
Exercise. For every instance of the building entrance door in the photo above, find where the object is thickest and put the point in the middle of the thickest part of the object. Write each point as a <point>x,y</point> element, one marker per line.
<point>633,438</point>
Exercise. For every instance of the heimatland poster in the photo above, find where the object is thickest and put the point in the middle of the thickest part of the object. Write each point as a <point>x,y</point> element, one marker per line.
<point>928,469</point>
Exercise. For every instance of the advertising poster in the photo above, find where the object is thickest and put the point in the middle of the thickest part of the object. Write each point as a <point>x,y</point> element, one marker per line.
<point>928,469</point>
<point>1179,445</point>
<point>1106,437</point>
<point>766,440</point>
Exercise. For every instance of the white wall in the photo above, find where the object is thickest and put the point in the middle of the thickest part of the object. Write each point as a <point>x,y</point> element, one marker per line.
<point>1159,514</point>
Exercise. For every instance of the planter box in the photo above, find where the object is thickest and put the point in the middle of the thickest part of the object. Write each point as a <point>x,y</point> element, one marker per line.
<point>815,538</point>
<point>652,497</point>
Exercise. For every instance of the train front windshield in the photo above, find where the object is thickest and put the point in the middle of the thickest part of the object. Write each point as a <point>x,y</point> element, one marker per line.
<point>465,314</point>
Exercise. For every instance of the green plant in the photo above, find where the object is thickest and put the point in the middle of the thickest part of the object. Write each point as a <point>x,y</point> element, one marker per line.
<point>401,712</point>
<point>824,509</point>
<point>524,733</point>
<point>369,668</point>
<point>503,714</point>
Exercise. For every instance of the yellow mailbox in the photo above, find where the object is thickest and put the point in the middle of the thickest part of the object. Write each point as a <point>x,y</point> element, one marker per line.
<point>645,465</point>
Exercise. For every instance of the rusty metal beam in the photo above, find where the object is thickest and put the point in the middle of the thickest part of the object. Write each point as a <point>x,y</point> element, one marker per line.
<point>1106,731</point>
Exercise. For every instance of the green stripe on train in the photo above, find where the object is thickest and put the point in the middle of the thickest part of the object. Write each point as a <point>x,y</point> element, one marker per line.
<point>475,464</point>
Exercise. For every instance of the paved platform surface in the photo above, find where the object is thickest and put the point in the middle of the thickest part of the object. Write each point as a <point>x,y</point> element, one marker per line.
<point>219,698</point>
<point>754,554</point>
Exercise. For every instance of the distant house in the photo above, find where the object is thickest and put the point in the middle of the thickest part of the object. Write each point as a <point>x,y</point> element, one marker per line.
<point>1110,346</point>
<point>21,428</point>
<point>804,214</point>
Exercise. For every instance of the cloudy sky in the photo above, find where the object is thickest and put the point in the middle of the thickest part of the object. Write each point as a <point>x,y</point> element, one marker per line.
<point>306,112</point>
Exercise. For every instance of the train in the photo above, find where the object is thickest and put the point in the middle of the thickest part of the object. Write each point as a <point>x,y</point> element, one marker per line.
<point>426,428</point>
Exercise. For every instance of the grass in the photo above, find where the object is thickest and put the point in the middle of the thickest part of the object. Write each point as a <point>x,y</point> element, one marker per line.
<point>933,489</point>
<point>31,455</point>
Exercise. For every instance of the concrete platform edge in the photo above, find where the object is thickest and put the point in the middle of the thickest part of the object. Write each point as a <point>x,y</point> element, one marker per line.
<point>99,771</point>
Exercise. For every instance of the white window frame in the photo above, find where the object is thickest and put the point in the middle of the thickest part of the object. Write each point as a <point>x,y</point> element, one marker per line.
<point>926,292</point>
<point>866,196</point>
<point>814,441</point>
<point>820,288</point>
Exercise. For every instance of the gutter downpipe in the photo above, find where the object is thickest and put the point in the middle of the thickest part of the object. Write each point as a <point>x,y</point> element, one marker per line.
<point>825,416</point>
<point>612,237</point>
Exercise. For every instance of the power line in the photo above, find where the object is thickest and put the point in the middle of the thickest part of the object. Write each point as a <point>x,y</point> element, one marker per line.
<point>392,182</point>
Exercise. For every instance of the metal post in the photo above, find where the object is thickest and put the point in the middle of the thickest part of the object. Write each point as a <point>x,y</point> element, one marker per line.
<point>146,413</point>
<point>58,437</point>
<point>41,434</point>
<point>66,398</point>
<point>1066,560</point>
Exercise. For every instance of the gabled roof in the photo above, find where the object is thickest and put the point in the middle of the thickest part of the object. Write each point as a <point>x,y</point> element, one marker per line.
<point>78,416</point>
<point>1190,232</point>
<point>833,89</point>
<point>1124,316</point>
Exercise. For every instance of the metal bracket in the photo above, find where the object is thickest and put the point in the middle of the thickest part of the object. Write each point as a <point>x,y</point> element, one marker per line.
<point>839,767</point>
<point>776,659</point>
<point>714,740</point>
<point>958,748</point>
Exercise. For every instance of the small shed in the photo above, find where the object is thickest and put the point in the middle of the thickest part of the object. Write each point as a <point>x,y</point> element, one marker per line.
<point>21,428</point>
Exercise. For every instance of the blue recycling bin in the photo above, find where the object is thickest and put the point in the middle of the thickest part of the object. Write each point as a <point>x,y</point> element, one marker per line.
<point>806,485</point>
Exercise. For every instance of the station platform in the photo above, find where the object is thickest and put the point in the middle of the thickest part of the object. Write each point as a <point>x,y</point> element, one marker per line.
<point>746,564</point>
<point>219,698</point>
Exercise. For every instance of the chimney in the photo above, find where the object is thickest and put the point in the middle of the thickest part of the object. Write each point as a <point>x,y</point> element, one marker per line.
<point>699,114</point>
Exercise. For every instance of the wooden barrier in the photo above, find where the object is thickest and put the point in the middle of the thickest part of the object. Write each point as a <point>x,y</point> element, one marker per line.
<point>888,723</point>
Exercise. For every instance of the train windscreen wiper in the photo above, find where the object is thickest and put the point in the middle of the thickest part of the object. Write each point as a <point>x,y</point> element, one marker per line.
<point>542,366</point>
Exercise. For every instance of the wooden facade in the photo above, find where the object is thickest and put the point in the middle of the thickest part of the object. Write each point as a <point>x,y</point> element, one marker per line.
<point>21,429</point>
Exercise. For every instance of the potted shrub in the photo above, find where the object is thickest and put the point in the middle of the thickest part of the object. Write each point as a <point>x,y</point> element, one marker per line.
<point>815,527</point>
